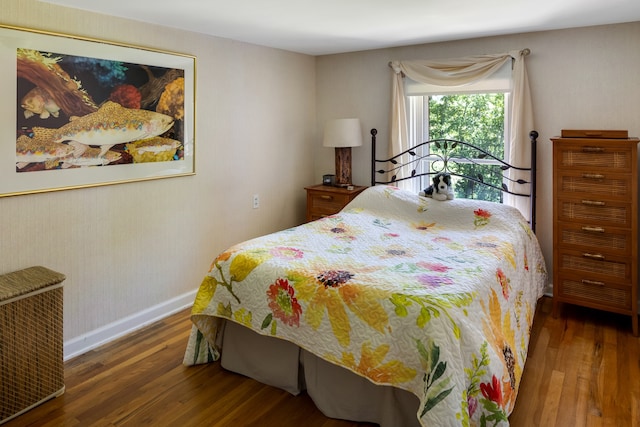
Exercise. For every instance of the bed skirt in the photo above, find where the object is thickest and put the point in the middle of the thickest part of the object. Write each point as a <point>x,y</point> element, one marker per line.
<point>337,392</point>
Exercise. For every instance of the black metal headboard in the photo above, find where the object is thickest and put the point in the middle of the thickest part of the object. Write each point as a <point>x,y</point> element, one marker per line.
<point>449,156</point>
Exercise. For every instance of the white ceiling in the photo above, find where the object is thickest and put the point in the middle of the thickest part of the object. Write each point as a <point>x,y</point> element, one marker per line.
<point>319,27</point>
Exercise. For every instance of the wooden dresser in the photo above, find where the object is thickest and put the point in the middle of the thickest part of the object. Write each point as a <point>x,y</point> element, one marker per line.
<point>595,219</point>
<point>324,200</point>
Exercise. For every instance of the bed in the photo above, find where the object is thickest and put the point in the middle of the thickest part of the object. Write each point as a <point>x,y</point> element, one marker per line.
<point>400,310</point>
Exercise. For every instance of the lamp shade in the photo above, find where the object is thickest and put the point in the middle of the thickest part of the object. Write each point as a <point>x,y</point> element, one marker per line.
<point>342,133</point>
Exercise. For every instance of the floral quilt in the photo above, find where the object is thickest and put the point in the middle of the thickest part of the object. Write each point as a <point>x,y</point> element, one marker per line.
<point>434,297</point>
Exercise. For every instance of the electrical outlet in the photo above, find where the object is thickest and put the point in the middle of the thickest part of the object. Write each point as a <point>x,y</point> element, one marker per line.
<point>256,201</point>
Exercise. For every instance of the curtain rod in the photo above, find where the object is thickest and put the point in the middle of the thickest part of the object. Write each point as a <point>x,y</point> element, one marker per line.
<point>525,52</point>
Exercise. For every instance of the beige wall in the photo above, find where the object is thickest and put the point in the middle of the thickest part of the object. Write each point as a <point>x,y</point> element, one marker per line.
<point>134,251</point>
<point>580,78</point>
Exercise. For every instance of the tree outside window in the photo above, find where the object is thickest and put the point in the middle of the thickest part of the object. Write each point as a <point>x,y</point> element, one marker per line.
<point>476,118</point>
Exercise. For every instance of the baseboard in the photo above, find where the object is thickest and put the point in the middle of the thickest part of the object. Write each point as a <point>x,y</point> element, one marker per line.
<point>548,290</point>
<point>79,345</point>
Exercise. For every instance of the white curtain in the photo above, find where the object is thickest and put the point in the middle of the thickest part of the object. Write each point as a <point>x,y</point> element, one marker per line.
<point>461,71</point>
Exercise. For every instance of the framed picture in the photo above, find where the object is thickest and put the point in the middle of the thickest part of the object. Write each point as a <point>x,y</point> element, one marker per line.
<point>79,112</point>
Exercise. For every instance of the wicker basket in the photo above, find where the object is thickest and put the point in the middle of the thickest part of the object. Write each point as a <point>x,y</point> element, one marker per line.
<point>31,353</point>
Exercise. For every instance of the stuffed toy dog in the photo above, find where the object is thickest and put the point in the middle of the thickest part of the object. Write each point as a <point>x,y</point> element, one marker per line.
<point>440,189</point>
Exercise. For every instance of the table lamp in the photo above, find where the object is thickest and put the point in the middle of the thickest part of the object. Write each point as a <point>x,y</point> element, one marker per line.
<point>343,134</point>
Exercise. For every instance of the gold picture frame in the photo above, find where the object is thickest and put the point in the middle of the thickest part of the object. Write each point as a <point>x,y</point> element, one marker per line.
<point>82,112</point>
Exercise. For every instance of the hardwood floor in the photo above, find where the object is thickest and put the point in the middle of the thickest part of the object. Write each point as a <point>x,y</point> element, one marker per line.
<point>583,370</point>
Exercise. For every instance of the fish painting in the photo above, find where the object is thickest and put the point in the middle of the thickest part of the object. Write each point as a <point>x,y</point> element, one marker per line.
<point>114,124</point>
<point>156,149</point>
<point>38,102</point>
<point>154,145</point>
<point>90,157</point>
<point>42,149</point>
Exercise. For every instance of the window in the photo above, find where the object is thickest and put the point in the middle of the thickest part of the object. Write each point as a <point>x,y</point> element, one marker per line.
<point>475,113</point>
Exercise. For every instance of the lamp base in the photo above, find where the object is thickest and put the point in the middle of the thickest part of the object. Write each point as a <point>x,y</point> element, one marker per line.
<point>343,166</point>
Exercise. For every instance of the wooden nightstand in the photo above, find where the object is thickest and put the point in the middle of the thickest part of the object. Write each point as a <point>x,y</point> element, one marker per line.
<point>325,200</point>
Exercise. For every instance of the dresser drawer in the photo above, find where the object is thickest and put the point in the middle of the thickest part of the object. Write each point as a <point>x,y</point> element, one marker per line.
<point>590,184</point>
<point>596,292</point>
<point>594,155</point>
<point>595,263</point>
<point>594,211</point>
<point>327,203</point>
<point>584,237</point>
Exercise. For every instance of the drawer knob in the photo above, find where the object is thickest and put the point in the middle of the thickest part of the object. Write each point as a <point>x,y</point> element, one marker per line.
<point>592,282</point>
<point>593,256</point>
<point>592,176</point>
<point>593,229</point>
<point>593,203</point>
<point>324,196</point>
